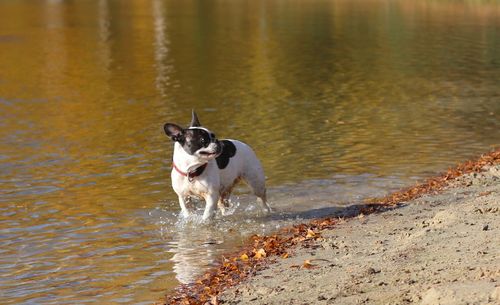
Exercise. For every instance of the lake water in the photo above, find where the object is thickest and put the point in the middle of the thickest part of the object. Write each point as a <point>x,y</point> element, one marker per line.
<point>341,100</point>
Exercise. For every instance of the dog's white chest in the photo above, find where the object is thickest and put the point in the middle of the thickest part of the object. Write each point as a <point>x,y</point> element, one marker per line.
<point>199,186</point>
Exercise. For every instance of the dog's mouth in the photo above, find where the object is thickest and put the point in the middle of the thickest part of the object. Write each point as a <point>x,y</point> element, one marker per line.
<point>208,154</point>
<point>214,152</point>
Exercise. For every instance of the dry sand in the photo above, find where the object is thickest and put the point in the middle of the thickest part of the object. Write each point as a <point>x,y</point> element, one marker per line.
<point>437,249</point>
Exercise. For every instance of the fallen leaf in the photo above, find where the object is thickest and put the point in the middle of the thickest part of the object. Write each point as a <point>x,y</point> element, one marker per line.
<point>310,234</point>
<point>284,255</point>
<point>214,300</point>
<point>307,264</point>
<point>298,239</point>
<point>244,257</point>
<point>485,193</point>
<point>260,254</point>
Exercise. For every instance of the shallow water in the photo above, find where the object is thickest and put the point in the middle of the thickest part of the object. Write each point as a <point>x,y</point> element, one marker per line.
<point>341,100</point>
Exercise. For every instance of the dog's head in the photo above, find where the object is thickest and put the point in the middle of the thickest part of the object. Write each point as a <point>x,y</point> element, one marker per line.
<point>196,140</point>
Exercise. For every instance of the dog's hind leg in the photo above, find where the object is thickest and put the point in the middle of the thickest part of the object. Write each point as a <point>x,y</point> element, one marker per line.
<point>222,204</point>
<point>255,179</point>
<point>259,189</point>
<point>263,199</point>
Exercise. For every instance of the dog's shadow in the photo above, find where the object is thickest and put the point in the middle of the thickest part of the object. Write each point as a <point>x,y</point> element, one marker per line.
<point>343,211</point>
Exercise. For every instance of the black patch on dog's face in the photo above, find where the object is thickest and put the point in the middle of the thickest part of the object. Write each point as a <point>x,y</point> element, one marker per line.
<point>196,139</point>
<point>228,151</point>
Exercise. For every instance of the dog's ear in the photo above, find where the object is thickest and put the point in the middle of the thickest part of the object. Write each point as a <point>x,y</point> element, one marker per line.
<point>194,120</point>
<point>174,132</point>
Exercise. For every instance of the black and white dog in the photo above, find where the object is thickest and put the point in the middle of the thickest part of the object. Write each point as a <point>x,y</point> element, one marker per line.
<point>208,168</point>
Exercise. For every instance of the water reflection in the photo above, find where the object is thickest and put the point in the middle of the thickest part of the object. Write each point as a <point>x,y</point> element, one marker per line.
<point>161,49</point>
<point>340,99</point>
<point>195,250</point>
<point>104,35</point>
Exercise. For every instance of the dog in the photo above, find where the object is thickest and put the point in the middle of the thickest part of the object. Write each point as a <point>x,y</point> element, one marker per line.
<point>208,168</point>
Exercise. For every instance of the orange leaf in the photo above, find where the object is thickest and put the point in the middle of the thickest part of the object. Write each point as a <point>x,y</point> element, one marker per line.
<point>298,239</point>
<point>214,300</point>
<point>285,255</point>
<point>260,253</point>
<point>307,264</point>
<point>310,234</point>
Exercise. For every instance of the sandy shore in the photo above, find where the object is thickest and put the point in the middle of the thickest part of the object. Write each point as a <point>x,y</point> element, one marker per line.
<point>437,249</point>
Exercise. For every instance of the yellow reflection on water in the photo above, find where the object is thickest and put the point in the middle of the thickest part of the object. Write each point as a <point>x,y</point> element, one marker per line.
<point>385,88</point>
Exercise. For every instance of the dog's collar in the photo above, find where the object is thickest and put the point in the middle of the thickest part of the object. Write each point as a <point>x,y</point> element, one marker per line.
<point>192,174</point>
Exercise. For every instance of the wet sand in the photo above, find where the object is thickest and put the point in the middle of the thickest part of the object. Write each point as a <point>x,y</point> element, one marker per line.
<point>438,249</point>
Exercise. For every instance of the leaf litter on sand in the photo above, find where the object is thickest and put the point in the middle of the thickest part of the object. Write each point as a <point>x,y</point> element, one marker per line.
<point>236,267</point>
<point>437,183</point>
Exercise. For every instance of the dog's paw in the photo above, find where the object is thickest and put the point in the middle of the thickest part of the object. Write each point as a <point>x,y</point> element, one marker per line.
<point>185,214</point>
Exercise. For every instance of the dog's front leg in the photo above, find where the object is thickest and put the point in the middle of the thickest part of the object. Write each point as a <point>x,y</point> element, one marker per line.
<point>184,210</point>
<point>211,201</point>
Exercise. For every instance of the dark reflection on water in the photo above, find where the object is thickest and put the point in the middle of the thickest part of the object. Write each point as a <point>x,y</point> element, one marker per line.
<point>340,99</point>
